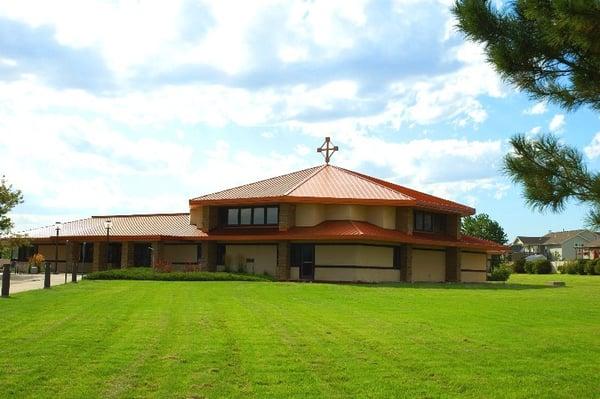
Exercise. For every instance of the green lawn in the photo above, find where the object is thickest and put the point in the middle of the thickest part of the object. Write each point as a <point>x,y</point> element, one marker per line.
<point>261,339</point>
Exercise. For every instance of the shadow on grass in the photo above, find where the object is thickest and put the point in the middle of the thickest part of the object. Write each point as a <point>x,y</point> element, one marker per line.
<point>452,286</point>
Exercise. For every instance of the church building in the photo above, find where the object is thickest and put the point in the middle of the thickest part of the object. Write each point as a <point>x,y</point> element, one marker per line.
<point>323,223</point>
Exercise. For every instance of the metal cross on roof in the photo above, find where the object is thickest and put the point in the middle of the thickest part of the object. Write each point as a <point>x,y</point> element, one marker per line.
<point>328,149</point>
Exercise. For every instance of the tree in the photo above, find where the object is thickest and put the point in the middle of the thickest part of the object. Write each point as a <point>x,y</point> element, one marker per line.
<point>552,173</point>
<point>550,49</point>
<point>9,198</point>
<point>482,226</point>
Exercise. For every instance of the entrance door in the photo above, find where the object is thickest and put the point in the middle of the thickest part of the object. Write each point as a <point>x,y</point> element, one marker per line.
<point>306,254</point>
<point>142,254</point>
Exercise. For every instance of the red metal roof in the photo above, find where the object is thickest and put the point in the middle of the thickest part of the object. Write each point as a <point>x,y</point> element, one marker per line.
<point>342,230</point>
<point>150,225</point>
<point>165,227</point>
<point>330,184</point>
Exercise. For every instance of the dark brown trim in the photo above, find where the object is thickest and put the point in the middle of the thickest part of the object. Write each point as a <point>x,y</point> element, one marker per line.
<point>473,270</point>
<point>250,243</point>
<point>356,267</point>
<point>429,249</point>
<point>356,244</point>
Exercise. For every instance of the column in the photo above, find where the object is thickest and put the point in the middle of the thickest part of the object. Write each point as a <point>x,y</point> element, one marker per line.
<point>406,270</point>
<point>157,252</point>
<point>453,261</point>
<point>287,216</point>
<point>404,220</point>
<point>99,261</point>
<point>209,256</point>
<point>127,254</point>
<point>283,261</point>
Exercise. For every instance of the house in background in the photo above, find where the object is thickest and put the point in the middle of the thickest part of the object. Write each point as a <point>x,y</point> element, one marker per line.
<point>561,245</point>
<point>324,223</point>
<point>528,245</point>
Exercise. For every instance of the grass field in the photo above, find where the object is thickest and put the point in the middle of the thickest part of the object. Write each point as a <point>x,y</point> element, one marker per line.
<point>262,339</point>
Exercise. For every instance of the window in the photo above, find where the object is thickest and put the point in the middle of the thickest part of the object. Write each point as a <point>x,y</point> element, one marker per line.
<point>199,252</point>
<point>256,216</point>
<point>232,216</point>
<point>220,254</point>
<point>259,216</point>
<point>399,254</point>
<point>272,215</point>
<point>246,216</point>
<point>429,222</point>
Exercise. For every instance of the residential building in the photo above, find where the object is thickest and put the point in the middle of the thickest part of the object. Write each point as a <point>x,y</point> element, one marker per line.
<point>561,245</point>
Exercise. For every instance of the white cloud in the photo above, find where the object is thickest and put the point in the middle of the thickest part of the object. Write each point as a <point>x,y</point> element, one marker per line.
<point>95,151</point>
<point>557,123</point>
<point>592,150</point>
<point>537,109</point>
<point>534,131</point>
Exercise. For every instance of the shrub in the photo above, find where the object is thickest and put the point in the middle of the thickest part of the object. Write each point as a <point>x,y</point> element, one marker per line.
<point>540,266</point>
<point>146,273</point>
<point>518,266</point>
<point>569,267</point>
<point>543,266</point>
<point>163,266</point>
<point>580,266</point>
<point>529,267</point>
<point>500,273</point>
<point>597,268</point>
<point>588,267</point>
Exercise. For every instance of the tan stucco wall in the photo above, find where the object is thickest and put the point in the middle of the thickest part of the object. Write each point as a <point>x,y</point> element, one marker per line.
<point>294,273</point>
<point>196,216</point>
<point>48,251</point>
<point>359,275</point>
<point>382,216</point>
<point>309,214</point>
<point>313,214</point>
<point>354,255</point>
<point>180,253</point>
<point>473,277</point>
<point>473,261</point>
<point>265,257</point>
<point>346,212</point>
<point>428,265</point>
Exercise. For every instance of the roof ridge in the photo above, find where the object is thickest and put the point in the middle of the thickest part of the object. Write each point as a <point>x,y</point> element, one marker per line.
<point>371,179</point>
<point>138,214</point>
<point>307,178</point>
<point>51,225</point>
<point>258,181</point>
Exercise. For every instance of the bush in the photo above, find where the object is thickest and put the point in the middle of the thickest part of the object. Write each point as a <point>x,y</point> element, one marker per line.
<point>529,267</point>
<point>568,268</point>
<point>541,266</point>
<point>146,273</point>
<point>580,266</point>
<point>500,273</point>
<point>597,269</point>
<point>518,266</point>
<point>588,267</point>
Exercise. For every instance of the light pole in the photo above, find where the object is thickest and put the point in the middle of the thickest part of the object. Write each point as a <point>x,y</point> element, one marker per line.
<point>107,226</point>
<point>57,226</point>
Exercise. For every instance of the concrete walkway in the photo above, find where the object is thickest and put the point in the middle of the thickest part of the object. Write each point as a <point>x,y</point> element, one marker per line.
<point>28,282</point>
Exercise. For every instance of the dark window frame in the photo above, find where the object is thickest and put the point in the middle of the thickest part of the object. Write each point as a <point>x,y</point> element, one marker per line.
<point>430,222</point>
<point>252,221</point>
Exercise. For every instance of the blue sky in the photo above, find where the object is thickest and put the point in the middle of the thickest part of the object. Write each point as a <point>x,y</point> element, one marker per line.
<point>137,106</point>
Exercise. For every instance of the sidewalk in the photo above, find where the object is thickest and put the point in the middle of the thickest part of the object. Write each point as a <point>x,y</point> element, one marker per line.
<point>28,282</point>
